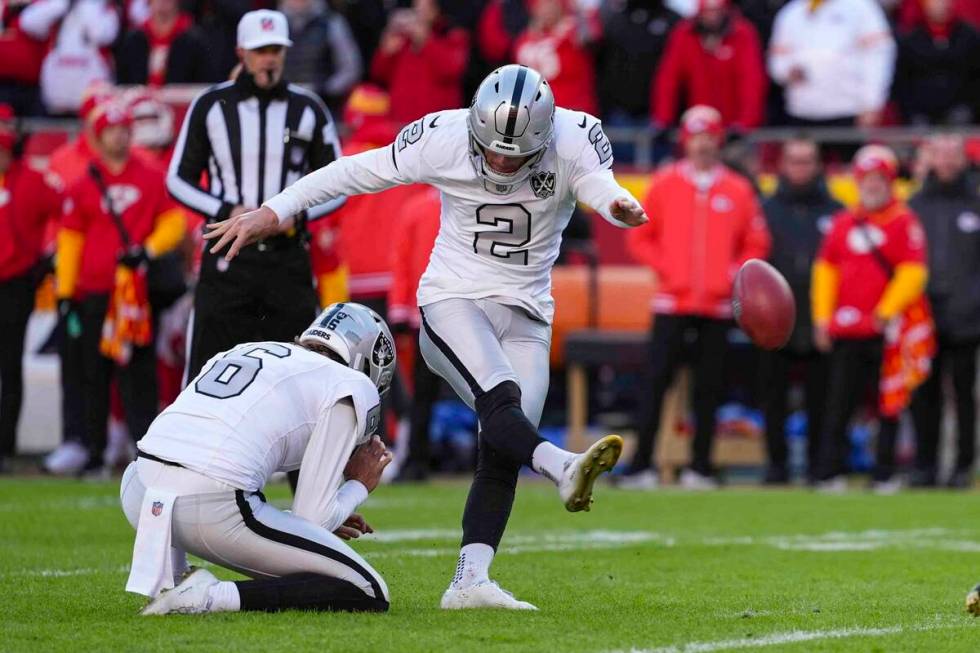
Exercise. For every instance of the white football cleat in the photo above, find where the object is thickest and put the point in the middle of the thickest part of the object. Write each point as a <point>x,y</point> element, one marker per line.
<point>67,460</point>
<point>645,480</point>
<point>833,485</point>
<point>692,480</point>
<point>485,594</point>
<point>190,597</point>
<point>887,488</point>
<point>581,471</point>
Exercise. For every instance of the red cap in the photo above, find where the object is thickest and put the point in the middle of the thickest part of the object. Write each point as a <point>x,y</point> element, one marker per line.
<point>875,158</point>
<point>96,94</point>
<point>111,114</point>
<point>705,5</point>
<point>366,101</point>
<point>7,134</point>
<point>701,119</point>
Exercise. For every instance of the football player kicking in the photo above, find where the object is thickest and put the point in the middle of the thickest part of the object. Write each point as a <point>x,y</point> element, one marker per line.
<point>509,170</point>
<point>257,409</point>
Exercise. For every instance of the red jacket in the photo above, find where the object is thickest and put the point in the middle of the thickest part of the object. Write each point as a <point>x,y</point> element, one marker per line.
<point>861,276</point>
<point>414,236</point>
<point>563,60</point>
<point>731,78</point>
<point>140,197</point>
<point>493,39</point>
<point>28,200</point>
<point>426,79</point>
<point>697,240</point>
<point>20,54</point>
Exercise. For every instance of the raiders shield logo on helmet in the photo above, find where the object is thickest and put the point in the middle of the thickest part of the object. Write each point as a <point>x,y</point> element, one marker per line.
<point>384,351</point>
<point>543,184</point>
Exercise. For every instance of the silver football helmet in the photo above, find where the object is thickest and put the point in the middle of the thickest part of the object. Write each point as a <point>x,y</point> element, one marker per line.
<point>513,114</point>
<point>359,337</point>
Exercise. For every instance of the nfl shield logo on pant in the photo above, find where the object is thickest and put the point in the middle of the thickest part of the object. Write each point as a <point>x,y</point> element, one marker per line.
<point>157,508</point>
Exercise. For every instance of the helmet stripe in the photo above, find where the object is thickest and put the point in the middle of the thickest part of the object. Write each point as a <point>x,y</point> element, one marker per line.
<point>515,105</point>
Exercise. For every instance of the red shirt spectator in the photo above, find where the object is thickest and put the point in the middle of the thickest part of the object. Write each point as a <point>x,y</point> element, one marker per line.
<point>166,48</point>
<point>20,54</point>
<point>911,14</point>
<point>698,237</point>
<point>714,59</point>
<point>556,44</point>
<point>501,22</point>
<point>140,197</point>
<point>160,41</point>
<point>421,61</point>
<point>27,201</point>
<point>704,224</point>
<point>898,236</point>
<point>414,236</point>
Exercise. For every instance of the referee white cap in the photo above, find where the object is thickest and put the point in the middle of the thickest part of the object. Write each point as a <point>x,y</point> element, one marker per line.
<point>263,27</point>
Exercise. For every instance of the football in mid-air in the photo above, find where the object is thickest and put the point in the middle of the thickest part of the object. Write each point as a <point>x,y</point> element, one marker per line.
<point>763,304</point>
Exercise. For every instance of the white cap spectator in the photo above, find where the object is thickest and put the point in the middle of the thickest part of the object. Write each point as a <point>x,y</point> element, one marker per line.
<point>263,27</point>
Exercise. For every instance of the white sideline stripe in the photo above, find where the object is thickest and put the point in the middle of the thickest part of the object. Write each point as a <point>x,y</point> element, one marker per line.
<point>790,637</point>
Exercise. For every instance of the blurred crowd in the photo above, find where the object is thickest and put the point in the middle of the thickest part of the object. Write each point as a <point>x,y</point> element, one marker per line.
<point>632,62</point>
<point>886,289</point>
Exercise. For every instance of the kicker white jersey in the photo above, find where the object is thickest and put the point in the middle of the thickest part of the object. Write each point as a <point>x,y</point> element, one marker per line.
<point>491,243</point>
<point>252,410</point>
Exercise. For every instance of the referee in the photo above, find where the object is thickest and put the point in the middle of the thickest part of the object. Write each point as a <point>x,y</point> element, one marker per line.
<point>242,142</point>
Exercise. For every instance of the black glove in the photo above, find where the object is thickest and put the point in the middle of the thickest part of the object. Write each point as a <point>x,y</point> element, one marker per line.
<point>69,321</point>
<point>400,328</point>
<point>133,257</point>
<point>66,307</point>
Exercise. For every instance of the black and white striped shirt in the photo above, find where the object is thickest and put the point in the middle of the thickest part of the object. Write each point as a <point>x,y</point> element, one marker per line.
<point>240,145</point>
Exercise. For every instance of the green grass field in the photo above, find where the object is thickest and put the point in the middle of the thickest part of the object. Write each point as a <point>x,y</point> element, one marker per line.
<point>667,571</point>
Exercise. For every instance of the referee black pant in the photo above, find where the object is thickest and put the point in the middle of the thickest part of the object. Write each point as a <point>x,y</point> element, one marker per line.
<point>261,295</point>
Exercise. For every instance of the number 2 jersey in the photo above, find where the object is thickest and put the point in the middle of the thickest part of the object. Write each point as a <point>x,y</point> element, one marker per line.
<point>494,242</point>
<point>255,409</point>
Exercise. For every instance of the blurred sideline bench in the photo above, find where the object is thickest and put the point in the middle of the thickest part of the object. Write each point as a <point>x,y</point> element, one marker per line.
<point>603,318</point>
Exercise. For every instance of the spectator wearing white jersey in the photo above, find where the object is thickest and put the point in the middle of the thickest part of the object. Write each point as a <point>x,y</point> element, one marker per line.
<point>81,30</point>
<point>835,59</point>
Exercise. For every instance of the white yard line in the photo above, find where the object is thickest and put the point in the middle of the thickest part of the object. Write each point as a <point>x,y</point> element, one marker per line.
<point>445,543</point>
<point>518,543</point>
<point>790,637</point>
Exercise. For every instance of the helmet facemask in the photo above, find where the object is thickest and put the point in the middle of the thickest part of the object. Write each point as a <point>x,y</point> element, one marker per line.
<point>512,114</point>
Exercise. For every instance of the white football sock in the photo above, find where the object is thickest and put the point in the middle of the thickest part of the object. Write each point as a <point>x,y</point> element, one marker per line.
<point>224,597</point>
<point>549,461</point>
<point>473,566</point>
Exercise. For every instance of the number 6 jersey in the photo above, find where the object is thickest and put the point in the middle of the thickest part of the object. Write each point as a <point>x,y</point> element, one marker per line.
<point>494,241</point>
<point>255,409</point>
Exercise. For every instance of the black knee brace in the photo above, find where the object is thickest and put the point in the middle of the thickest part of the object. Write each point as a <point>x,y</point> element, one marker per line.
<point>306,591</point>
<point>504,425</point>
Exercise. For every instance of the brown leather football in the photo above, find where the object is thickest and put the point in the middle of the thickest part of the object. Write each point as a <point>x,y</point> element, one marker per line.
<point>763,304</point>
